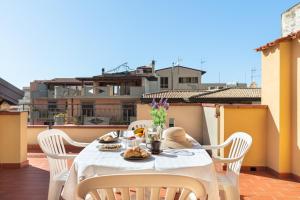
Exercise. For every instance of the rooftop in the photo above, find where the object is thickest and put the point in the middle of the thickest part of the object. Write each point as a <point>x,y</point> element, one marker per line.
<point>291,36</point>
<point>202,72</point>
<point>232,93</point>
<point>172,95</point>
<point>222,95</point>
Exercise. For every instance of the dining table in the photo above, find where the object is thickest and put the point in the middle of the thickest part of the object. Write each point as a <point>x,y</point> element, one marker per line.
<point>194,162</point>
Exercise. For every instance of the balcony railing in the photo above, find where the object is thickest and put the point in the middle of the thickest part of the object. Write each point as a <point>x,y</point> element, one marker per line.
<point>93,114</point>
<point>92,91</point>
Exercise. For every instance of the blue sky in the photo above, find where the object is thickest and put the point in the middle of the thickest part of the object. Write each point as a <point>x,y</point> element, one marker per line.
<point>48,39</point>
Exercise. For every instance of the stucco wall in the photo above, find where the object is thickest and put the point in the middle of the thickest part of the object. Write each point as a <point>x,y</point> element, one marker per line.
<point>13,146</point>
<point>210,126</point>
<point>249,119</point>
<point>277,94</point>
<point>270,97</point>
<point>187,116</point>
<point>180,72</point>
<point>295,141</point>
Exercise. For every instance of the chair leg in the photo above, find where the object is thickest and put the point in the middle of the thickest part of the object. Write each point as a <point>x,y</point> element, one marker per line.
<point>54,191</point>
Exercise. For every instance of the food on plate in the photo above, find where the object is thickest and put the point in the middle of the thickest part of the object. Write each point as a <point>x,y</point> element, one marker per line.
<point>107,138</point>
<point>136,152</point>
<point>139,132</point>
<point>110,147</point>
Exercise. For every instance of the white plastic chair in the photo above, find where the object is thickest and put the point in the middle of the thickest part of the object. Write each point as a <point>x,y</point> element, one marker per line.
<point>229,181</point>
<point>140,124</point>
<point>51,143</point>
<point>103,187</point>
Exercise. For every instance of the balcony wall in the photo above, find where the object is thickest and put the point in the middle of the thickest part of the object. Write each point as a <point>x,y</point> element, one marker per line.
<point>188,116</point>
<point>81,133</point>
<point>251,119</point>
<point>211,126</point>
<point>208,124</point>
<point>13,145</point>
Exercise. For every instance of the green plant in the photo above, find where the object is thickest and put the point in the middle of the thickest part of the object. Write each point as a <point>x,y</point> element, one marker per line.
<point>159,112</point>
<point>60,115</point>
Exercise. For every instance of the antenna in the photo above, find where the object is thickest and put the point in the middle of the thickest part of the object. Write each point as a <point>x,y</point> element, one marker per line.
<point>202,61</point>
<point>253,70</point>
<point>178,61</point>
<point>219,77</point>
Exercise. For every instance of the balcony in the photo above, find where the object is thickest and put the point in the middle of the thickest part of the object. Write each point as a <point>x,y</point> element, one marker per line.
<point>97,92</point>
<point>210,124</point>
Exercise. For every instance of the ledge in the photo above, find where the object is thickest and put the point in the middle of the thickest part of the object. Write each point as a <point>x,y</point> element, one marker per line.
<point>244,106</point>
<point>14,165</point>
<point>10,113</point>
<point>80,126</point>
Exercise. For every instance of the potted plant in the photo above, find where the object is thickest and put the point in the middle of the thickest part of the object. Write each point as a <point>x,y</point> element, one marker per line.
<point>59,119</point>
<point>159,115</point>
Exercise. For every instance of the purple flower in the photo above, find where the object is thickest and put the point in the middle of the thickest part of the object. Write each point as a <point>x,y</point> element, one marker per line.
<point>161,102</point>
<point>154,105</point>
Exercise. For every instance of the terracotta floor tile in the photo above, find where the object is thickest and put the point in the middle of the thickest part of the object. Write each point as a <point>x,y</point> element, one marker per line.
<point>32,183</point>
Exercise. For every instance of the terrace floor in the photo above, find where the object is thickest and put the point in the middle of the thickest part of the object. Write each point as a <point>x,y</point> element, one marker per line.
<point>32,183</point>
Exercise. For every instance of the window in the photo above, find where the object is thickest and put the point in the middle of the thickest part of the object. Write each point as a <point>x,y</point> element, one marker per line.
<point>52,106</point>
<point>128,112</point>
<point>188,79</point>
<point>164,82</point>
<point>87,109</point>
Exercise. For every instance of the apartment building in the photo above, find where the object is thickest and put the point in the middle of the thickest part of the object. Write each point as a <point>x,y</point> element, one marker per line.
<point>180,78</point>
<point>107,98</point>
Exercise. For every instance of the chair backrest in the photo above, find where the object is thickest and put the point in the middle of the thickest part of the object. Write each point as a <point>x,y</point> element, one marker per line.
<point>140,124</point>
<point>141,183</point>
<point>241,143</point>
<point>51,143</point>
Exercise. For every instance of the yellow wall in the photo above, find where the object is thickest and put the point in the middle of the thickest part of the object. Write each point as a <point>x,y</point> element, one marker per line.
<point>78,133</point>
<point>249,119</point>
<point>13,146</point>
<point>295,141</point>
<point>277,94</point>
<point>270,96</point>
<point>187,116</point>
<point>285,108</point>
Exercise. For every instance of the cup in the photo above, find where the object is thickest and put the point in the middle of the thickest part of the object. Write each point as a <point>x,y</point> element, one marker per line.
<point>155,147</point>
<point>118,133</point>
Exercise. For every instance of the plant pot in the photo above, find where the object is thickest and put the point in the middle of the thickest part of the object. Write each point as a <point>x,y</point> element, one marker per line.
<point>59,120</point>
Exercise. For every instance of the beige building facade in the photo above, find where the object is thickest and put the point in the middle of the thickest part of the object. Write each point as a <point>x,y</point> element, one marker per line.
<point>180,78</point>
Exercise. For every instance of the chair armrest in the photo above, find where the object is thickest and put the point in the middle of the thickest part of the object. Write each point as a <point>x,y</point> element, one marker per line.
<point>218,159</point>
<point>209,147</point>
<point>224,144</point>
<point>79,144</point>
<point>62,156</point>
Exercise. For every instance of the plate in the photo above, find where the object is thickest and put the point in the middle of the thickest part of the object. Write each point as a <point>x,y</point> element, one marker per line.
<point>135,158</point>
<point>106,147</point>
<point>106,142</point>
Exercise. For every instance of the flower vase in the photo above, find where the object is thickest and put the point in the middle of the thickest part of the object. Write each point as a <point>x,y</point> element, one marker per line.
<point>160,129</point>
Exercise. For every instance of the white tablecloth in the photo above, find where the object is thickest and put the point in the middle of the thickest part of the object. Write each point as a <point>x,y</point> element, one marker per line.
<point>190,162</point>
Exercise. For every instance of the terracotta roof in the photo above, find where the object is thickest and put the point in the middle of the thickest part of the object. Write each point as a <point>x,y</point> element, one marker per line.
<point>173,94</point>
<point>291,36</point>
<point>231,93</point>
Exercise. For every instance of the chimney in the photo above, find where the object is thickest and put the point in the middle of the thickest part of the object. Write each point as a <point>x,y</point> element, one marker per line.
<point>103,70</point>
<point>153,66</point>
